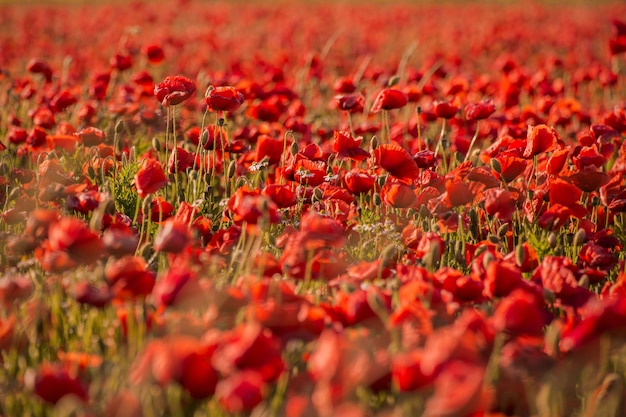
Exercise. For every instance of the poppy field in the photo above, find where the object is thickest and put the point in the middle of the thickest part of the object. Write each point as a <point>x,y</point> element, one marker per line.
<point>313,209</point>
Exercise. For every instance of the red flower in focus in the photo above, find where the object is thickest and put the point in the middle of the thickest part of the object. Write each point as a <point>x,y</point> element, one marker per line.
<point>241,392</point>
<point>51,382</point>
<point>389,99</point>
<point>150,178</point>
<point>350,103</point>
<point>479,111</point>
<point>539,139</point>
<point>224,99</point>
<point>129,278</point>
<point>174,90</point>
<point>269,148</point>
<point>359,181</point>
<point>348,147</point>
<point>397,161</point>
<point>180,161</point>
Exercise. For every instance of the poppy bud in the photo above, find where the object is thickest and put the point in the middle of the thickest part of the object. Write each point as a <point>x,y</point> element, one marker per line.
<point>580,237</point>
<point>119,126</point>
<point>374,143</point>
<point>520,255</point>
<point>232,168</point>
<point>459,252</point>
<point>156,144</point>
<point>552,240</point>
<point>294,148</point>
<point>502,230</point>
<point>377,199</point>
<point>495,165</point>
<point>584,281</point>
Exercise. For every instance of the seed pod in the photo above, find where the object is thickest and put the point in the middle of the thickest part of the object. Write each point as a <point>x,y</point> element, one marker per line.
<point>119,126</point>
<point>495,165</point>
<point>459,252</point>
<point>146,207</point>
<point>318,195</point>
<point>393,80</point>
<point>156,144</point>
<point>552,240</point>
<point>294,148</point>
<point>204,138</point>
<point>487,259</point>
<point>374,143</point>
<point>221,122</point>
<point>520,255</point>
<point>388,253</point>
<point>232,167</point>
<point>580,237</point>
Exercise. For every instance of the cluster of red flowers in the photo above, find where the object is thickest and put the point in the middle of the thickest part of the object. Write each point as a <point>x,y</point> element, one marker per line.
<point>309,221</point>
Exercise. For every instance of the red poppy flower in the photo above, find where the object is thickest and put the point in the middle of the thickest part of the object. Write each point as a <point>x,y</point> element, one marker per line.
<point>359,181</point>
<point>174,90</point>
<point>589,180</point>
<point>281,195</point>
<point>51,382</point>
<point>309,172</point>
<point>91,136</point>
<point>129,278</point>
<point>150,178</point>
<point>397,161</point>
<point>267,147</point>
<point>224,99</point>
<point>172,237</point>
<point>479,111</point>
<point>458,193</point>
<point>500,203</point>
<point>398,195</point>
<point>240,392</point>
<point>350,103</point>
<point>250,346</point>
<point>180,161</point>
<point>38,66</point>
<point>540,139</point>
<point>389,99</point>
<point>348,147</point>
<point>154,53</point>
<point>445,109</point>
<point>73,236</point>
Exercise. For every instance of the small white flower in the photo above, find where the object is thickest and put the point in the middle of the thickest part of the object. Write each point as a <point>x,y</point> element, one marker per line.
<point>330,177</point>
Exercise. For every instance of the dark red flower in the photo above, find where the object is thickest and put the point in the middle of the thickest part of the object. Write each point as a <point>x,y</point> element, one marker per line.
<point>389,99</point>
<point>154,53</point>
<point>38,66</point>
<point>174,90</point>
<point>150,178</point>
<point>351,103</point>
<point>224,99</point>
<point>51,382</point>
